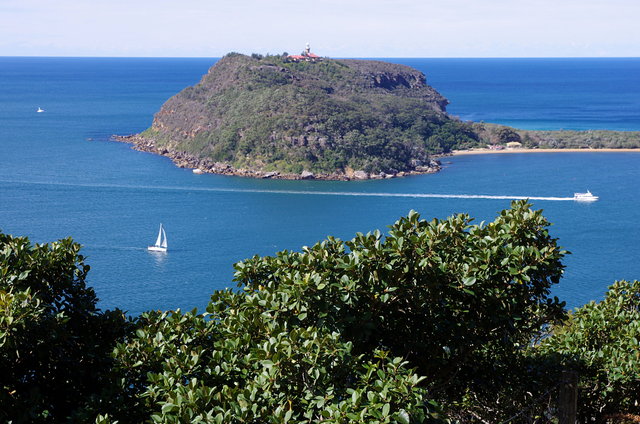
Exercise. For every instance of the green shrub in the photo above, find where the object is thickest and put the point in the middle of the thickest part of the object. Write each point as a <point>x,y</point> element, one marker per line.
<point>454,299</point>
<point>602,341</point>
<point>55,344</point>
<point>435,321</point>
<point>238,366</point>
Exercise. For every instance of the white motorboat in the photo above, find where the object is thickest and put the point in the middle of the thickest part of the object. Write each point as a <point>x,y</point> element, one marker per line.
<point>161,242</point>
<point>585,197</point>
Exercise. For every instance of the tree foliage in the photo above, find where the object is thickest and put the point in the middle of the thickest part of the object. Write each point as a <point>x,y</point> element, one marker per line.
<point>602,341</point>
<point>242,367</point>
<point>454,299</point>
<point>54,343</point>
<point>435,321</point>
<point>556,139</point>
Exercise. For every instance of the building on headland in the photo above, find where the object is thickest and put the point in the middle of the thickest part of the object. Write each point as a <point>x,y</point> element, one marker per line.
<point>305,56</point>
<point>495,147</point>
<point>514,145</point>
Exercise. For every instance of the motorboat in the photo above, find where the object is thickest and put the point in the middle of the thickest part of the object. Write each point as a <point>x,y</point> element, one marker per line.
<point>585,197</point>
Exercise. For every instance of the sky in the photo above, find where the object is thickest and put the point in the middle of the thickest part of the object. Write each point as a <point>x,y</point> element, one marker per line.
<point>336,28</point>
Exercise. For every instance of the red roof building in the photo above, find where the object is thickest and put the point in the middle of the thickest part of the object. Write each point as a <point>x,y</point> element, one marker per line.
<point>306,56</point>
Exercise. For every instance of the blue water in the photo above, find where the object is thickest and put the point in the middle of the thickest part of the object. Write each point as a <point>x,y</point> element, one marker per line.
<point>60,177</point>
<point>541,94</point>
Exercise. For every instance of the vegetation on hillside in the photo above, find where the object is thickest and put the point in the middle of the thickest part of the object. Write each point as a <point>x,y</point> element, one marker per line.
<point>438,321</point>
<point>561,139</point>
<point>270,114</point>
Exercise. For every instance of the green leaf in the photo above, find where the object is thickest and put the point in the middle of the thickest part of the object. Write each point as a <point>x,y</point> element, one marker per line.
<point>385,409</point>
<point>169,407</point>
<point>469,281</point>
<point>403,417</point>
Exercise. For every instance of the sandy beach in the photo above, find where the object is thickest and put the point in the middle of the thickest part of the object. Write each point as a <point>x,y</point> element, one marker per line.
<point>506,151</point>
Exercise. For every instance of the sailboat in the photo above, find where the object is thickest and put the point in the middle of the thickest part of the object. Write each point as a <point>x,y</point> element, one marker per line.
<point>40,110</point>
<point>161,242</point>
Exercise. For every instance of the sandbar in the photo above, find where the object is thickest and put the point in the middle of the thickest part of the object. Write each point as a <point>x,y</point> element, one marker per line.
<point>506,151</point>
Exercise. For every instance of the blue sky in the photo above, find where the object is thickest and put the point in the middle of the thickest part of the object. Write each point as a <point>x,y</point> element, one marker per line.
<point>347,28</point>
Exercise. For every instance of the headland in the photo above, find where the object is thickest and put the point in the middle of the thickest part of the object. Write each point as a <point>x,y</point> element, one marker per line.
<point>303,117</point>
<point>308,117</point>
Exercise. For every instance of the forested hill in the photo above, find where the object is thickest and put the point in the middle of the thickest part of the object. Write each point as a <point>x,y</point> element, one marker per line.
<point>255,115</point>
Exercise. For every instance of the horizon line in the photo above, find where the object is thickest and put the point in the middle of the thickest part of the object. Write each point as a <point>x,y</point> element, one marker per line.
<point>327,57</point>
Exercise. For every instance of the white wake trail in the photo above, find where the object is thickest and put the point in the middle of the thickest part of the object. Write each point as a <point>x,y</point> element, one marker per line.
<point>295,192</point>
<point>418,195</point>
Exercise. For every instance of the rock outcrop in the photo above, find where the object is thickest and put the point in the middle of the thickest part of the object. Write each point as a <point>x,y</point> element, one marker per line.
<point>206,165</point>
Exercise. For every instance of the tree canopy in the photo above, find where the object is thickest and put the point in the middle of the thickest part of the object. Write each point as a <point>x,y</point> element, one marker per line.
<point>436,321</point>
<point>602,341</point>
<point>55,345</point>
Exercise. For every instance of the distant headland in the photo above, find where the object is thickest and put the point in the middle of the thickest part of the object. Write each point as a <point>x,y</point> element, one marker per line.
<point>311,117</point>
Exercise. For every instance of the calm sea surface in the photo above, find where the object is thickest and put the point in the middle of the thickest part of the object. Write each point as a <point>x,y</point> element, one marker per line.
<point>59,176</point>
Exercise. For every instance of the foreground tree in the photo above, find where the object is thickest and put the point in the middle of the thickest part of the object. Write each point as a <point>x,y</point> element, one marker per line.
<point>601,340</point>
<point>454,299</point>
<point>247,368</point>
<point>376,329</point>
<point>55,344</point>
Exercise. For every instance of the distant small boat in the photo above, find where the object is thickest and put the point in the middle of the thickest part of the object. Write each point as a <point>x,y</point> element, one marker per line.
<point>198,171</point>
<point>585,197</point>
<point>161,242</point>
<point>40,110</point>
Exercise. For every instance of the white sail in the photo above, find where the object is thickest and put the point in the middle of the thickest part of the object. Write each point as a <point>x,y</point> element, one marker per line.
<point>159,239</point>
<point>164,239</point>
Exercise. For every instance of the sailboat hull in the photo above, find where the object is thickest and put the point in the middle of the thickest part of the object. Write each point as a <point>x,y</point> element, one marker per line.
<point>156,249</point>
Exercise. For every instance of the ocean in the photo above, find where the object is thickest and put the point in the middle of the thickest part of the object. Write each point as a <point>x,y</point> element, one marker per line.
<point>60,176</point>
<point>540,94</point>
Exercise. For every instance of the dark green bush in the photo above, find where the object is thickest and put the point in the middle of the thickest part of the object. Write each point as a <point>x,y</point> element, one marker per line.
<point>55,345</point>
<point>239,366</point>
<point>601,340</point>
<point>437,320</point>
<point>458,301</point>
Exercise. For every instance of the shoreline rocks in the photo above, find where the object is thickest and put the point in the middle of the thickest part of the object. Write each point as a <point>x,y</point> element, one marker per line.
<point>208,166</point>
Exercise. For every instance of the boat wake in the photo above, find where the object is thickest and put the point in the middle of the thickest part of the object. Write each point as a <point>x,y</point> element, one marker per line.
<point>416,195</point>
<point>374,194</point>
<point>298,192</point>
